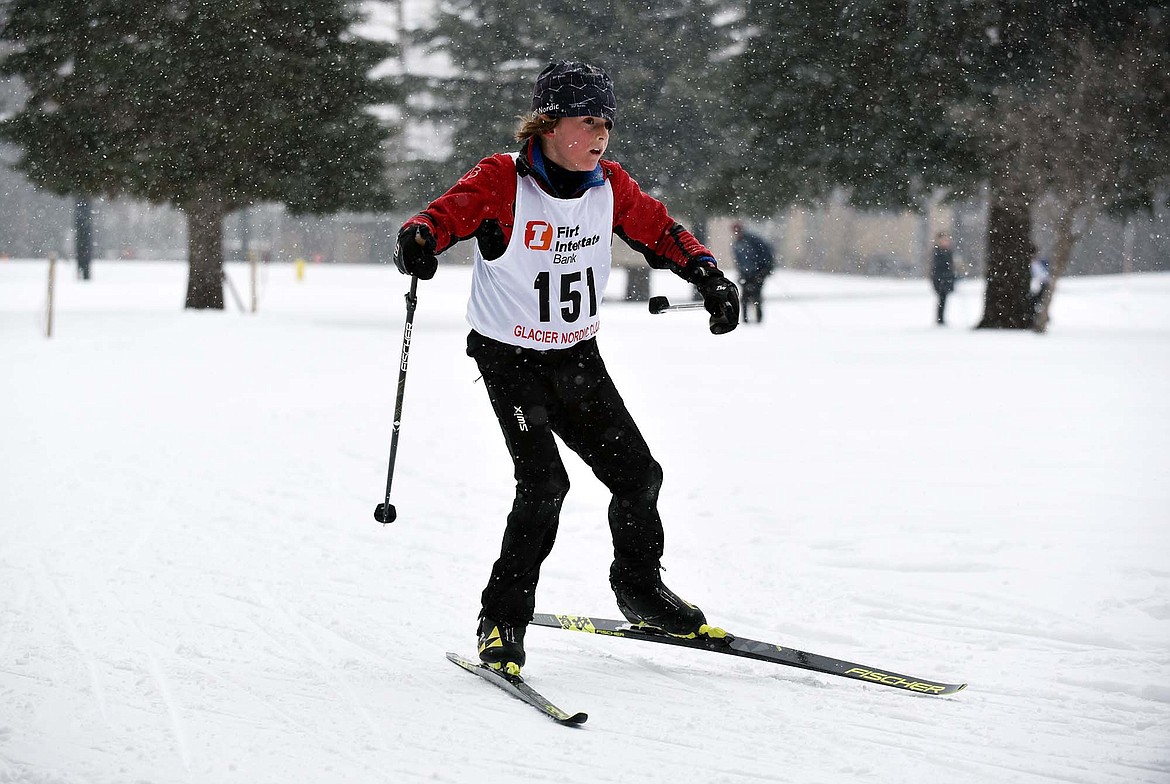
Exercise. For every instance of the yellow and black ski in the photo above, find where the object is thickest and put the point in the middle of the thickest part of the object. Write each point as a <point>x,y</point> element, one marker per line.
<point>751,649</point>
<point>515,685</point>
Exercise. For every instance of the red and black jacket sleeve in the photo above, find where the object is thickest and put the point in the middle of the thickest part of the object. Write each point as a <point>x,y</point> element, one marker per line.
<point>480,205</point>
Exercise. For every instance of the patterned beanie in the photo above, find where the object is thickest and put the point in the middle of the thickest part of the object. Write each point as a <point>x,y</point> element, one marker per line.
<point>570,89</point>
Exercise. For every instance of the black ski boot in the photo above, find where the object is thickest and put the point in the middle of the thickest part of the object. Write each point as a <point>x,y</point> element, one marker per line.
<point>501,645</point>
<point>644,600</point>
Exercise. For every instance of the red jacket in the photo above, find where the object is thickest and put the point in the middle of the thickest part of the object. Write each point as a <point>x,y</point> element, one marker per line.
<point>482,205</point>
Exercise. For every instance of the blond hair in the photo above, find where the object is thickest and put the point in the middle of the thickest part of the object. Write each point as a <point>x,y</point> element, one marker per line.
<point>534,124</point>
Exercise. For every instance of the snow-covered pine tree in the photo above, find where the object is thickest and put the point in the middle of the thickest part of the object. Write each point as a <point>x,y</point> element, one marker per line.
<point>672,128</point>
<point>890,99</point>
<point>207,106</point>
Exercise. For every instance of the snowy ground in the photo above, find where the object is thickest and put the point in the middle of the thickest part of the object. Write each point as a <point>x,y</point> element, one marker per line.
<point>192,588</point>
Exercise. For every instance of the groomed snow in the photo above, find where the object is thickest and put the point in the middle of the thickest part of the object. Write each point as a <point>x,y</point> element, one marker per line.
<point>193,589</point>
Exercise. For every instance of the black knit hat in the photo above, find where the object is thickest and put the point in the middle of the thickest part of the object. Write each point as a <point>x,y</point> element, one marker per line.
<point>570,89</point>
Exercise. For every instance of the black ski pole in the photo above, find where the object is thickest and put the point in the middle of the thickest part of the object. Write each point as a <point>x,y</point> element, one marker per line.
<point>385,512</point>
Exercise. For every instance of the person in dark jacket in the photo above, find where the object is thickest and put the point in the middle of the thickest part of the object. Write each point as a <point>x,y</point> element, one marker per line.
<point>543,220</point>
<point>755,262</point>
<point>942,272</point>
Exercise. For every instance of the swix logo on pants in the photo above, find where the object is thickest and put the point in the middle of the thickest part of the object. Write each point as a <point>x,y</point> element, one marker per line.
<point>538,235</point>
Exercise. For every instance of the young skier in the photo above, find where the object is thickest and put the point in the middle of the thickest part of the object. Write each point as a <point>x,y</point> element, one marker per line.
<point>543,221</point>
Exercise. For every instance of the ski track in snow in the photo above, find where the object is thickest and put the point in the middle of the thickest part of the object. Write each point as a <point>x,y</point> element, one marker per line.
<point>192,590</point>
<point>51,592</point>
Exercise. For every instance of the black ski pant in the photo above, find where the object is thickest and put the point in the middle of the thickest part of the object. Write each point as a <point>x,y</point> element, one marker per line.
<point>940,316</point>
<point>569,393</point>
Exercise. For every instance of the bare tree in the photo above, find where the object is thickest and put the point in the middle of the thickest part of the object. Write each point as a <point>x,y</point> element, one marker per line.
<point>1088,142</point>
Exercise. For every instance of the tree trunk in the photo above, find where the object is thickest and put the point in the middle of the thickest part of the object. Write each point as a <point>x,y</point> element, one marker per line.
<point>1040,320</point>
<point>1007,300</point>
<point>1064,239</point>
<point>205,214</point>
<point>638,283</point>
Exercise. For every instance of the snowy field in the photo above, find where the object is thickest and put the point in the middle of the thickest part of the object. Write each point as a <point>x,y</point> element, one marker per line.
<point>193,589</point>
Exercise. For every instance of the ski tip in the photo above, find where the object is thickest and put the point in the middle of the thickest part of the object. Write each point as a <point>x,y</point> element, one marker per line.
<point>943,689</point>
<point>519,688</point>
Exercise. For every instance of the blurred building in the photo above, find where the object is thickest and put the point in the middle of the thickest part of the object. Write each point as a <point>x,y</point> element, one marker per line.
<point>837,238</point>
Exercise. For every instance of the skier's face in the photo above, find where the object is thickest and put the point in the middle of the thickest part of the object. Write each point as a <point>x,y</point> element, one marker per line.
<point>577,143</point>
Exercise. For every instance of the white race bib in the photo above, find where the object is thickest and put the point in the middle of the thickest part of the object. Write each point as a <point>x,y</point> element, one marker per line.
<point>545,291</point>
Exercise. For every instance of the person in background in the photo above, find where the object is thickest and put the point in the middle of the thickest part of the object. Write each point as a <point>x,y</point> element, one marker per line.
<point>1041,282</point>
<point>543,219</point>
<point>942,273</point>
<point>755,262</point>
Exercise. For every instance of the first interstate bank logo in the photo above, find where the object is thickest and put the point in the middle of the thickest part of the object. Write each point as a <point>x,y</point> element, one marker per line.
<point>564,241</point>
<point>538,235</point>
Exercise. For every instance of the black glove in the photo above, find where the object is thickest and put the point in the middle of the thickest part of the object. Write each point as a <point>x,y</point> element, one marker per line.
<point>415,252</point>
<point>721,299</point>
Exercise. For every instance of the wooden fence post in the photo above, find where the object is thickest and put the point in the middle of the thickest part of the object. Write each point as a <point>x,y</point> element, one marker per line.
<point>52,286</point>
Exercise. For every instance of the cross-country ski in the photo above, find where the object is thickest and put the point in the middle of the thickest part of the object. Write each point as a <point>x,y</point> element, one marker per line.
<point>751,649</point>
<point>518,688</point>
